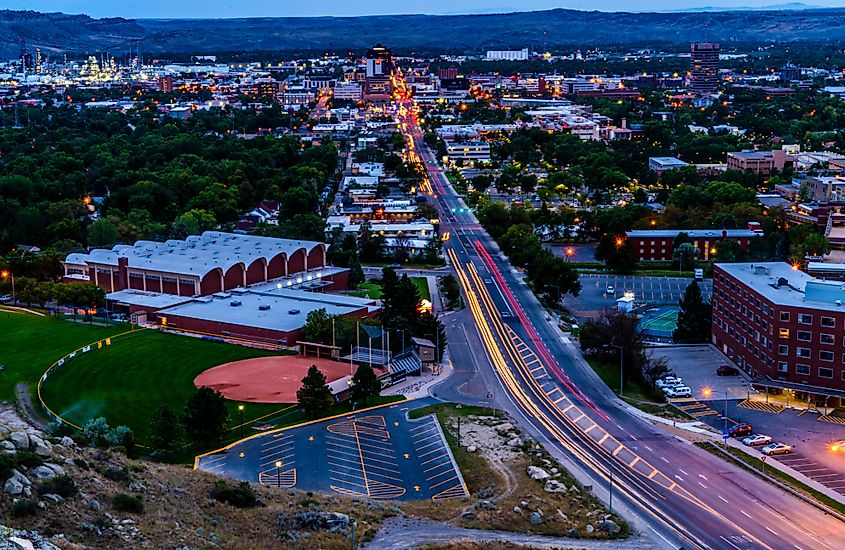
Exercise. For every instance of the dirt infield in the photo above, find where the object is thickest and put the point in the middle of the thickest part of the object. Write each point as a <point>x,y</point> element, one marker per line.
<point>267,379</point>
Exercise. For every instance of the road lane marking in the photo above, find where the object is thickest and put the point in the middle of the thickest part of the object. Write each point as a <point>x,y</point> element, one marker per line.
<point>683,472</point>
<point>664,460</point>
<point>744,513</point>
<point>723,499</point>
<point>769,529</point>
<point>729,542</point>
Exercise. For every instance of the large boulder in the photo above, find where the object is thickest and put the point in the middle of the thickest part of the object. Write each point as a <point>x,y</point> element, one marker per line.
<point>537,473</point>
<point>609,526</point>
<point>56,468</point>
<point>39,446</point>
<point>536,518</point>
<point>504,428</point>
<point>43,473</point>
<point>13,486</point>
<point>20,440</point>
<point>7,445</point>
<point>554,486</point>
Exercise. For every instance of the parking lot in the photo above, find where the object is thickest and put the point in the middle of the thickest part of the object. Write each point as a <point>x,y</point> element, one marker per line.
<point>648,290</point>
<point>811,440</point>
<point>377,454</point>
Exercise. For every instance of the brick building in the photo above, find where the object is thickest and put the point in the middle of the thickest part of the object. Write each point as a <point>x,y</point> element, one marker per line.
<point>783,327</point>
<point>759,162</point>
<point>202,264</point>
<point>657,244</point>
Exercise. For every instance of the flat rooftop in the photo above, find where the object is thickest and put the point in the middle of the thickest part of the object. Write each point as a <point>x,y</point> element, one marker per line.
<point>693,233</point>
<point>784,285</point>
<point>141,298</point>
<point>283,310</point>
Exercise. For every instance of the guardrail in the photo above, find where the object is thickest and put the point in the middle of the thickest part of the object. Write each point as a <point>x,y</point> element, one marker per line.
<point>93,346</point>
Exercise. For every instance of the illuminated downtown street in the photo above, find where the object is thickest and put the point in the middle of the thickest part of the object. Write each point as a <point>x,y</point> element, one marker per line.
<point>507,354</point>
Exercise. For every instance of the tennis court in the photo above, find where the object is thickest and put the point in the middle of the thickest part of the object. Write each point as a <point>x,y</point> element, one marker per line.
<point>660,321</point>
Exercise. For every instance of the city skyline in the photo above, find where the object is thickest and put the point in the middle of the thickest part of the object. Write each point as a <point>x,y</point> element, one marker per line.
<point>192,9</point>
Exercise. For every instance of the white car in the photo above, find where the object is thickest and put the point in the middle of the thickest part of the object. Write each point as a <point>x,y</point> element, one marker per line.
<point>678,391</point>
<point>610,290</point>
<point>756,439</point>
<point>776,449</point>
<point>669,383</point>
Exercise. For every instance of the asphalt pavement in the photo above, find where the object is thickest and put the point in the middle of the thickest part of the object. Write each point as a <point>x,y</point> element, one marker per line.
<point>646,290</point>
<point>376,453</point>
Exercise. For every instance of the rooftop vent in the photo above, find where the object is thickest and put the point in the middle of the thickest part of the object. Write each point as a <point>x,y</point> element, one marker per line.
<point>293,312</point>
<point>264,307</point>
<point>235,303</point>
<point>782,281</point>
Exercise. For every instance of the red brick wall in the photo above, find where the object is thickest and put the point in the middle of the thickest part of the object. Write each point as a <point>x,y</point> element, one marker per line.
<point>317,257</point>
<point>276,267</point>
<point>296,262</point>
<point>255,272</point>
<point>210,283</point>
<point>736,315</point>
<point>218,329</point>
<point>234,277</point>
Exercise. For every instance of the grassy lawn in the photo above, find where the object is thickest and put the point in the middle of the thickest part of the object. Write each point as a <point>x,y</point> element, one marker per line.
<point>373,290</point>
<point>29,344</point>
<point>757,466</point>
<point>633,390</point>
<point>127,381</point>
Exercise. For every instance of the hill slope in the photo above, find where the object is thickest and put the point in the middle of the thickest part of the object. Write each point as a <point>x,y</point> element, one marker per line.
<point>56,32</point>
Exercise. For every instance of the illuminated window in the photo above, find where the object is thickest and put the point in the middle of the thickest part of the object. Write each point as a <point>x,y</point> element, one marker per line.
<point>783,333</point>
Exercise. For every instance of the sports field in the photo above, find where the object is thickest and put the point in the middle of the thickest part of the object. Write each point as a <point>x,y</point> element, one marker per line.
<point>661,322</point>
<point>268,379</point>
<point>29,344</point>
<point>127,381</point>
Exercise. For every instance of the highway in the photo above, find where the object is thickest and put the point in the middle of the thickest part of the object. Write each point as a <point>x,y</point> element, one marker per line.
<point>507,354</point>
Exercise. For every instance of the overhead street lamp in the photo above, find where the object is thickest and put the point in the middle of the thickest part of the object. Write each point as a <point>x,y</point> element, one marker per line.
<point>6,274</point>
<point>707,392</point>
<point>621,366</point>
<point>241,412</point>
<point>278,473</point>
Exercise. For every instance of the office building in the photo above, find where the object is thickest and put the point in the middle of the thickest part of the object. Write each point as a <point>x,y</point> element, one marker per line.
<point>379,61</point>
<point>447,73</point>
<point>704,66</point>
<point>165,84</point>
<point>783,327</point>
<point>658,244</point>
<point>507,55</point>
<point>661,164</point>
<point>760,162</point>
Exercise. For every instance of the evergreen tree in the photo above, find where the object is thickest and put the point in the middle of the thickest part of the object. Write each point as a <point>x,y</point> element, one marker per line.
<point>165,430</point>
<point>314,396</point>
<point>356,272</point>
<point>693,318</point>
<point>206,416</point>
<point>365,383</point>
<point>431,328</point>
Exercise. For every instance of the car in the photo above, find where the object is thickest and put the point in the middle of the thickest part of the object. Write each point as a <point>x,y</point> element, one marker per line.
<point>669,383</point>
<point>610,291</point>
<point>395,266</point>
<point>776,449</point>
<point>727,370</point>
<point>756,439</point>
<point>740,430</point>
<point>678,391</point>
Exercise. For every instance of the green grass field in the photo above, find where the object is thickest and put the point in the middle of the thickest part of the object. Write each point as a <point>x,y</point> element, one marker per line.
<point>373,290</point>
<point>29,344</point>
<point>128,380</point>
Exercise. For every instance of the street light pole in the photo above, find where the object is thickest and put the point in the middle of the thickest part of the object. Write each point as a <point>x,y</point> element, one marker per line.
<point>10,275</point>
<point>278,473</point>
<point>241,412</point>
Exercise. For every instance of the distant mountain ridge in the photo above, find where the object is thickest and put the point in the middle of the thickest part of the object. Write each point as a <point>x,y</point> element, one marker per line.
<point>58,32</point>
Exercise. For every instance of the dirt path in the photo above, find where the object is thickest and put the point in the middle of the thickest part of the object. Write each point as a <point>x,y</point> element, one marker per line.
<point>403,533</point>
<point>27,408</point>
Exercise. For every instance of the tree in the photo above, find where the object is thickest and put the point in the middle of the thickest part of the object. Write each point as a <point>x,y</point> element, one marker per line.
<point>693,318</point>
<point>617,253</point>
<point>602,338</point>
<point>206,416</point>
<point>451,290</point>
<point>165,430</point>
<point>102,233</point>
<point>314,396</point>
<point>685,255</point>
<point>318,327</point>
<point>365,383</point>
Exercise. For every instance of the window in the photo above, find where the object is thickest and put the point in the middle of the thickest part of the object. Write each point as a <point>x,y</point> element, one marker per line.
<point>802,369</point>
<point>829,322</point>
<point>783,367</point>
<point>826,339</point>
<point>825,372</point>
<point>826,356</point>
<point>804,335</point>
<point>805,319</point>
<point>803,352</point>
<point>783,333</point>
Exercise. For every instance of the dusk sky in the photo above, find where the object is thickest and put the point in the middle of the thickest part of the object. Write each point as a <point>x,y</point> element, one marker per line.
<point>267,8</point>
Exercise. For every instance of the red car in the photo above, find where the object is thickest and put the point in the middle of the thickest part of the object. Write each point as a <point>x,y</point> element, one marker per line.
<point>727,370</point>
<point>740,430</point>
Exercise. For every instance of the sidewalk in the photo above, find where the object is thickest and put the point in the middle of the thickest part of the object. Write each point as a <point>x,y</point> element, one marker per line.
<point>415,387</point>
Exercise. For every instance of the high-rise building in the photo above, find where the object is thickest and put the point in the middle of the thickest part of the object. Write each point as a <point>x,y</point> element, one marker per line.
<point>704,66</point>
<point>448,73</point>
<point>38,60</point>
<point>379,61</point>
<point>165,84</point>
